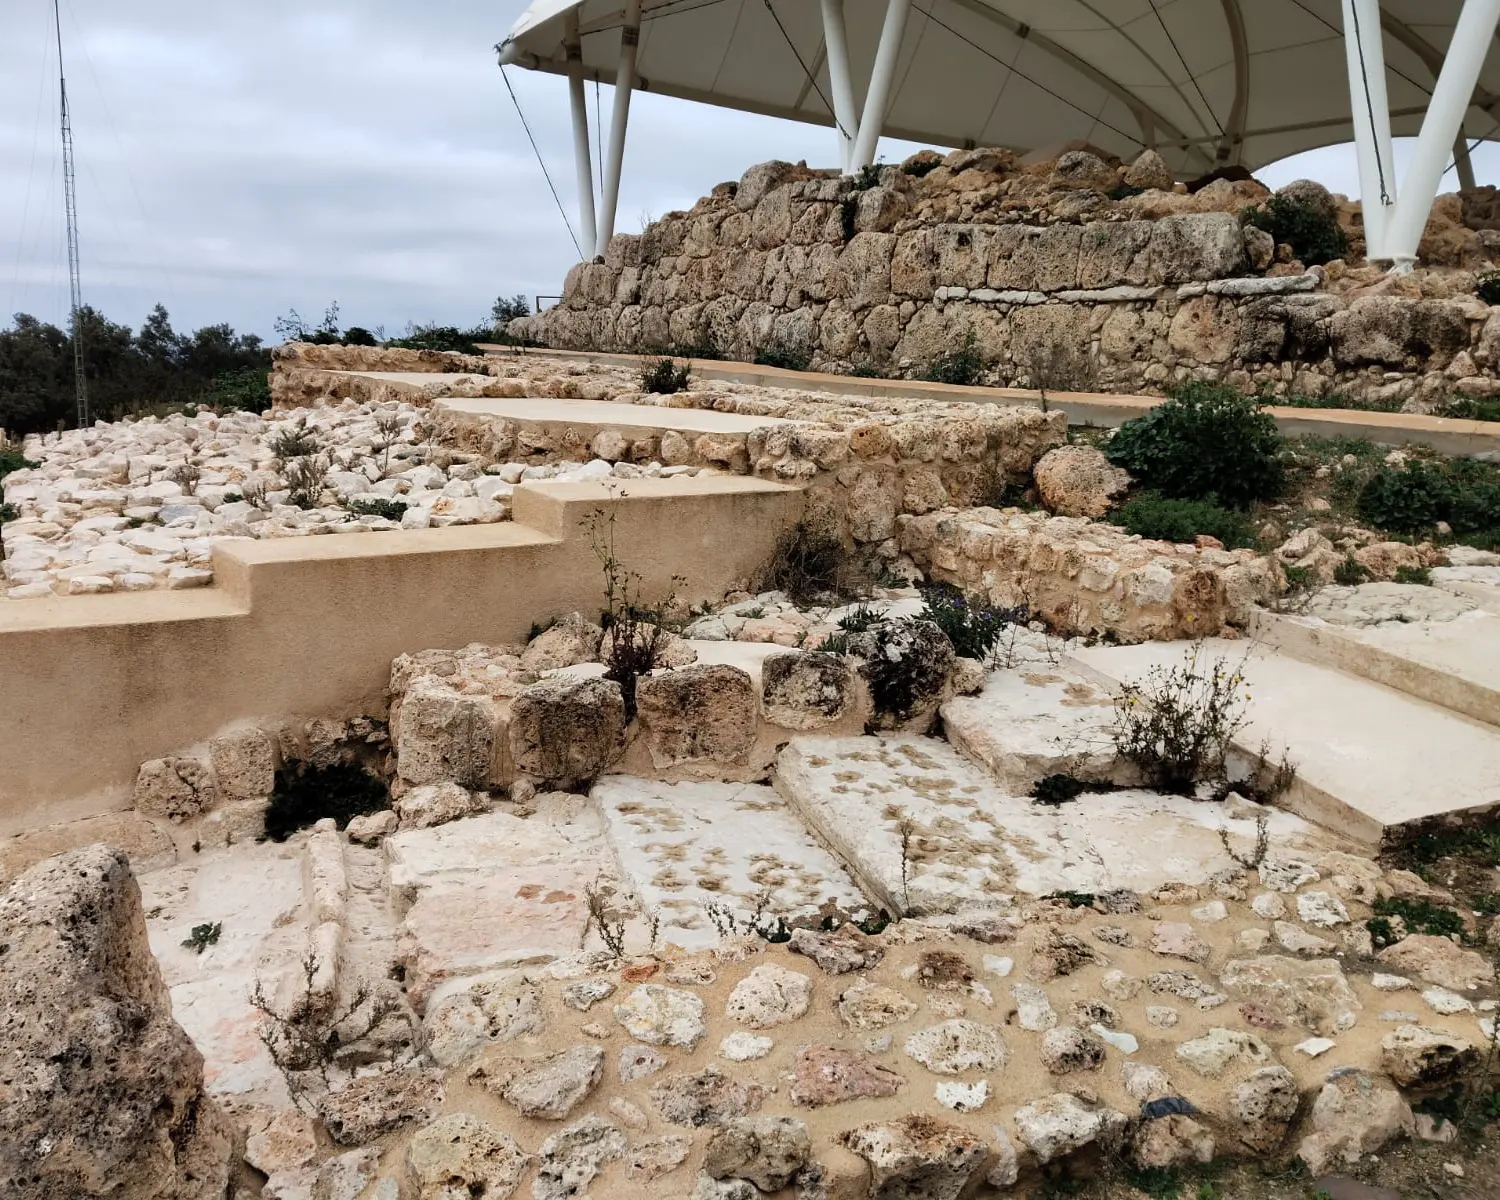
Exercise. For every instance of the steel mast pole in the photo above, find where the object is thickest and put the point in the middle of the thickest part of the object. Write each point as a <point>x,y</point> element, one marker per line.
<point>70,204</point>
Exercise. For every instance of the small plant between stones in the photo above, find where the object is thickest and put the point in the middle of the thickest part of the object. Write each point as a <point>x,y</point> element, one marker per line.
<point>203,936</point>
<point>664,377</point>
<point>603,917</point>
<point>1262,843</point>
<point>1176,725</point>
<point>759,921</point>
<point>810,564</point>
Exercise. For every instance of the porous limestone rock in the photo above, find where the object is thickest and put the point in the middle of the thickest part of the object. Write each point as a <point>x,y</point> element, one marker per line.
<point>828,1075</point>
<point>908,668</point>
<point>1437,960</point>
<point>371,1105</point>
<point>1059,1124</point>
<point>549,1087</point>
<point>567,728</point>
<point>1212,1053</point>
<point>840,951</point>
<point>1313,994</point>
<point>806,690</point>
<point>102,1091</point>
<point>1264,1104</point>
<point>175,788</point>
<point>1355,1114</point>
<point>1078,481</point>
<point>917,1155</point>
<point>708,1098</point>
<point>1174,1140</point>
<point>1418,1057</point>
<point>436,804</point>
<point>871,1006</point>
<point>769,996</point>
<point>443,735</point>
<point>956,1046</point>
<point>662,1016</point>
<point>1067,1049</point>
<point>768,1151</point>
<point>244,763</point>
<point>568,1161</point>
<point>460,1155</point>
<point>697,713</point>
<point>565,643</point>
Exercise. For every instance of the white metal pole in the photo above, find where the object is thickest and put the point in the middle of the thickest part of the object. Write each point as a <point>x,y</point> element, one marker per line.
<point>837,43</point>
<point>882,76</point>
<point>1364,55</point>
<point>588,224</point>
<point>1463,161</point>
<point>630,36</point>
<point>1445,114</point>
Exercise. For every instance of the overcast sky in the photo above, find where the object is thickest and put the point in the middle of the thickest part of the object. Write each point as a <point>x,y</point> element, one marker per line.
<point>237,160</point>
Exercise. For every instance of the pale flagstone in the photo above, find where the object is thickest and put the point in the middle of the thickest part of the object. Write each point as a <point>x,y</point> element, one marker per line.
<point>686,847</point>
<point>971,844</point>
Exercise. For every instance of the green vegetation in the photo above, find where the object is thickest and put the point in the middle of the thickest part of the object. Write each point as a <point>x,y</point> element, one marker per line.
<point>305,794</point>
<point>1480,842</point>
<point>1206,442</point>
<point>1058,789</point>
<point>664,377</point>
<point>1152,515</point>
<point>1413,497</point>
<point>1177,723</point>
<point>443,337</point>
<point>1312,232</point>
<point>1073,899</point>
<point>1419,916</point>
<point>1416,575</point>
<point>1472,408</point>
<point>962,366</point>
<point>868,177</point>
<point>1487,286</point>
<point>1350,573</point>
<point>391,510</point>
<point>971,624</point>
<point>203,936</point>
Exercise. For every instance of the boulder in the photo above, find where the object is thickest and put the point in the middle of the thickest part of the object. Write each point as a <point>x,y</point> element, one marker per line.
<point>1212,1053</point>
<point>1149,172</point>
<point>908,667</point>
<point>769,996</point>
<point>1313,994</point>
<point>175,788</point>
<point>697,713</point>
<point>1355,1114</point>
<point>371,1105</point>
<point>1174,1140</point>
<point>1310,194</point>
<point>806,690</point>
<point>1080,169</point>
<point>828,1075</point>
<point>1417,1057</point>
<point>1196,247</point>
<point>436,804</point>
<point>840,951</point>
<point>566,729</point>
<point>570,641</point>
<point>1265,1104</point>
<point>768,1151</point>
<point>1437,960</point>
<point>1062,1123</point>
<point>662,1016</point>
<point>460,1155</point>
<point>102,1091</point>
<point>443,734</point>
<point>1078,481</point>
<point>244,764</point>
<point>918,1155</point>
<point>549,1087</point>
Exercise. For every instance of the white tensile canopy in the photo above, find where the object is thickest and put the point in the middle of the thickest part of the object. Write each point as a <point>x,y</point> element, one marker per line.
<point>1207,83</point>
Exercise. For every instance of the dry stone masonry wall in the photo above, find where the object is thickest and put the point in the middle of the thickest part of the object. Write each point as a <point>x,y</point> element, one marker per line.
<point>1061,284</point>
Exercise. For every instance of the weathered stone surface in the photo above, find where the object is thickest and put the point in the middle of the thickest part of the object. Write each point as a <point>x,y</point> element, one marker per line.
<point>569,1160</point>
<point>769,996</point>
<point>1355,1114</point>
<point>549,1087</point>
<point>829,1075</point>
<point>1312,994</point>
<point>1418,1057</point>
<point>1056,1125</point>
<point>697,713</point>
<point>1078,481</point>
<point>872,1006</point>
<point>144,842</point>
<point>806,690</point>
<point>1175,1140</point>
<point>768,1151</point>
<point>570,641</point>
<point>370,1105</point>
<point>437,804</point>
<point>175,788</point>
<point>637,1062</point>
<point>1265,1104</point>
<point>102,1091</point>
<point>662,1016</point>
<point>1149,170</point>
<point>370,829</point>
<point>708,1098</point>
<point>460,1156</point>
<point>917,1155</point>
<point>1067,1049</point>
<point>843,950</point>
<point>566,729</point>
<point>244,763</point>
<point>1175,939</point>
<point>956,1046</point>
<point>1437,960</point>
<point>441,734</point>
<point>908,667</point>
<point>1212,1053</point>
<point>659,1156</point>
<point>494,1009</point>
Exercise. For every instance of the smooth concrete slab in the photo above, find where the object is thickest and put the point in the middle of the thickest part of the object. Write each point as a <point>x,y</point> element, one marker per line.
<point>925,832</point>
<point>1369,758</point>
<point>651,419</point>
<point>684,847</point>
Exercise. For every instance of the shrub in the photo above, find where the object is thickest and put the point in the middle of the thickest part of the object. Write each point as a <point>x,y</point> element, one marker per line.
<point>635,634</point>
<point>443,337</point>
<point>1206,441</point>
<point>305,478</point>
<point>203,936</point>
<point>809,564</point>
<point>1472,408</point>
<point>246,390</point>
<point>780,354</point>
<point>1487,286</point>
<point>358,335</point>
<point>921,167</point>
<point>1176,724</point>
<point>1152,515</point>
<point>963,366</point>
<point>1415,496</point>
<point>305,794</point>
<point>900,663</point>
<point>1058,789</point>
<point>664,377</point>
<point>295,441</point>
<point>509,308</point>
<point>14,460</point>
<point>1421,576</point>
<point>391,510</point>
<point>1350,573</point>
<point>1313,233</point>
<point>971,624</point>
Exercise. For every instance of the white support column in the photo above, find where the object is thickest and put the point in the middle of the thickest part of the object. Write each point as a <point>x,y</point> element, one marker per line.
<point>630,37</point>
<point>588,224</point>
<point>1365,56</point>
<point>1463,161</point>
<point>839,81</point>
<point>1451,97</point>
<point>882,76</point>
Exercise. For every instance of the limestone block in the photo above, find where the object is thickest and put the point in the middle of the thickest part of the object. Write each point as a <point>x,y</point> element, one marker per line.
<point>1196,246</point>
<point>697,713</point>
<point>461,1155</point>
<point>175,788</point>
<point>436,804</point>
<point>1149,171</point>
<point>807,690</point>
<point>244,763</point>
<point>918,1155</point>
<point>863,274</point>
<point>94,1065</point>
<point>442,734</point>
<point>1078,481</point>
<point>567,728</point>
<point>1355,1114</point>
<point>1081,169</point>
<point>571,640</point>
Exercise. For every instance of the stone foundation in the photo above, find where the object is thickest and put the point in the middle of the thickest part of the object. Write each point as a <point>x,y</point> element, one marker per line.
<point>1060,285</point>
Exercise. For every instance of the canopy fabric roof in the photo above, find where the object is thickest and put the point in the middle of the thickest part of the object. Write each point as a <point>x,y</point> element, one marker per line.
<point>1207,82</point>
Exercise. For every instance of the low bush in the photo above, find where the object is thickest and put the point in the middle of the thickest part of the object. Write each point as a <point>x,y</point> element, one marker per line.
<point>391,510</point>
<point>971,624</point>
<point>1487,286</point>
<point>1313,233</point>
<point>1412,497</point>
<point>1152,515</point>
<point>246,390</point>
<point>1177,723</point>
<point>1472,408</point>
<point>1350,573</point>
<point>809,564</point>
<point>783,355</point>
<point>635,634</point>
<point>305,794</point>
<point>962,366</point>
<point>664,377</point>
<point>1421,576</point>
<point>1206,441</point>
<point>443,337</point>
<point>14,460</point>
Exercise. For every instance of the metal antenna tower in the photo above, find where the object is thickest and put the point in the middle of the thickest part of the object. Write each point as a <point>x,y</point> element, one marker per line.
<point>70,202</point>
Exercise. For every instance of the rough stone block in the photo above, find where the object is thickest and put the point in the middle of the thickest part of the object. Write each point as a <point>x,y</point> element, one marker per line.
<point>567,729</point>
<point>698,713</point>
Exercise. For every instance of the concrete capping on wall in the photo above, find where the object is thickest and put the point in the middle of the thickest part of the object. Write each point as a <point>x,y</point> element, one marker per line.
<point>1447,435</point>
<point>95,685</point>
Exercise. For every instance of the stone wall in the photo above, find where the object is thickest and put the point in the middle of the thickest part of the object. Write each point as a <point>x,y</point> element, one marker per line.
<point>1061,285</point>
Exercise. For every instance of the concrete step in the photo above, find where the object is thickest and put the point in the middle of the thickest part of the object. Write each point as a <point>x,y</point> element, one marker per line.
<point>736,849</point>
<point>1371,760</point>
<point>924,831</point>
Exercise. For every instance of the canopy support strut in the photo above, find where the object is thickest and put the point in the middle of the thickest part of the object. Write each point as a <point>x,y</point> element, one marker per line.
<point>1395,217</point>
<point>630,37</point>
<point>882,77</point>
<point>836,41</point>
<point>588,225</point>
